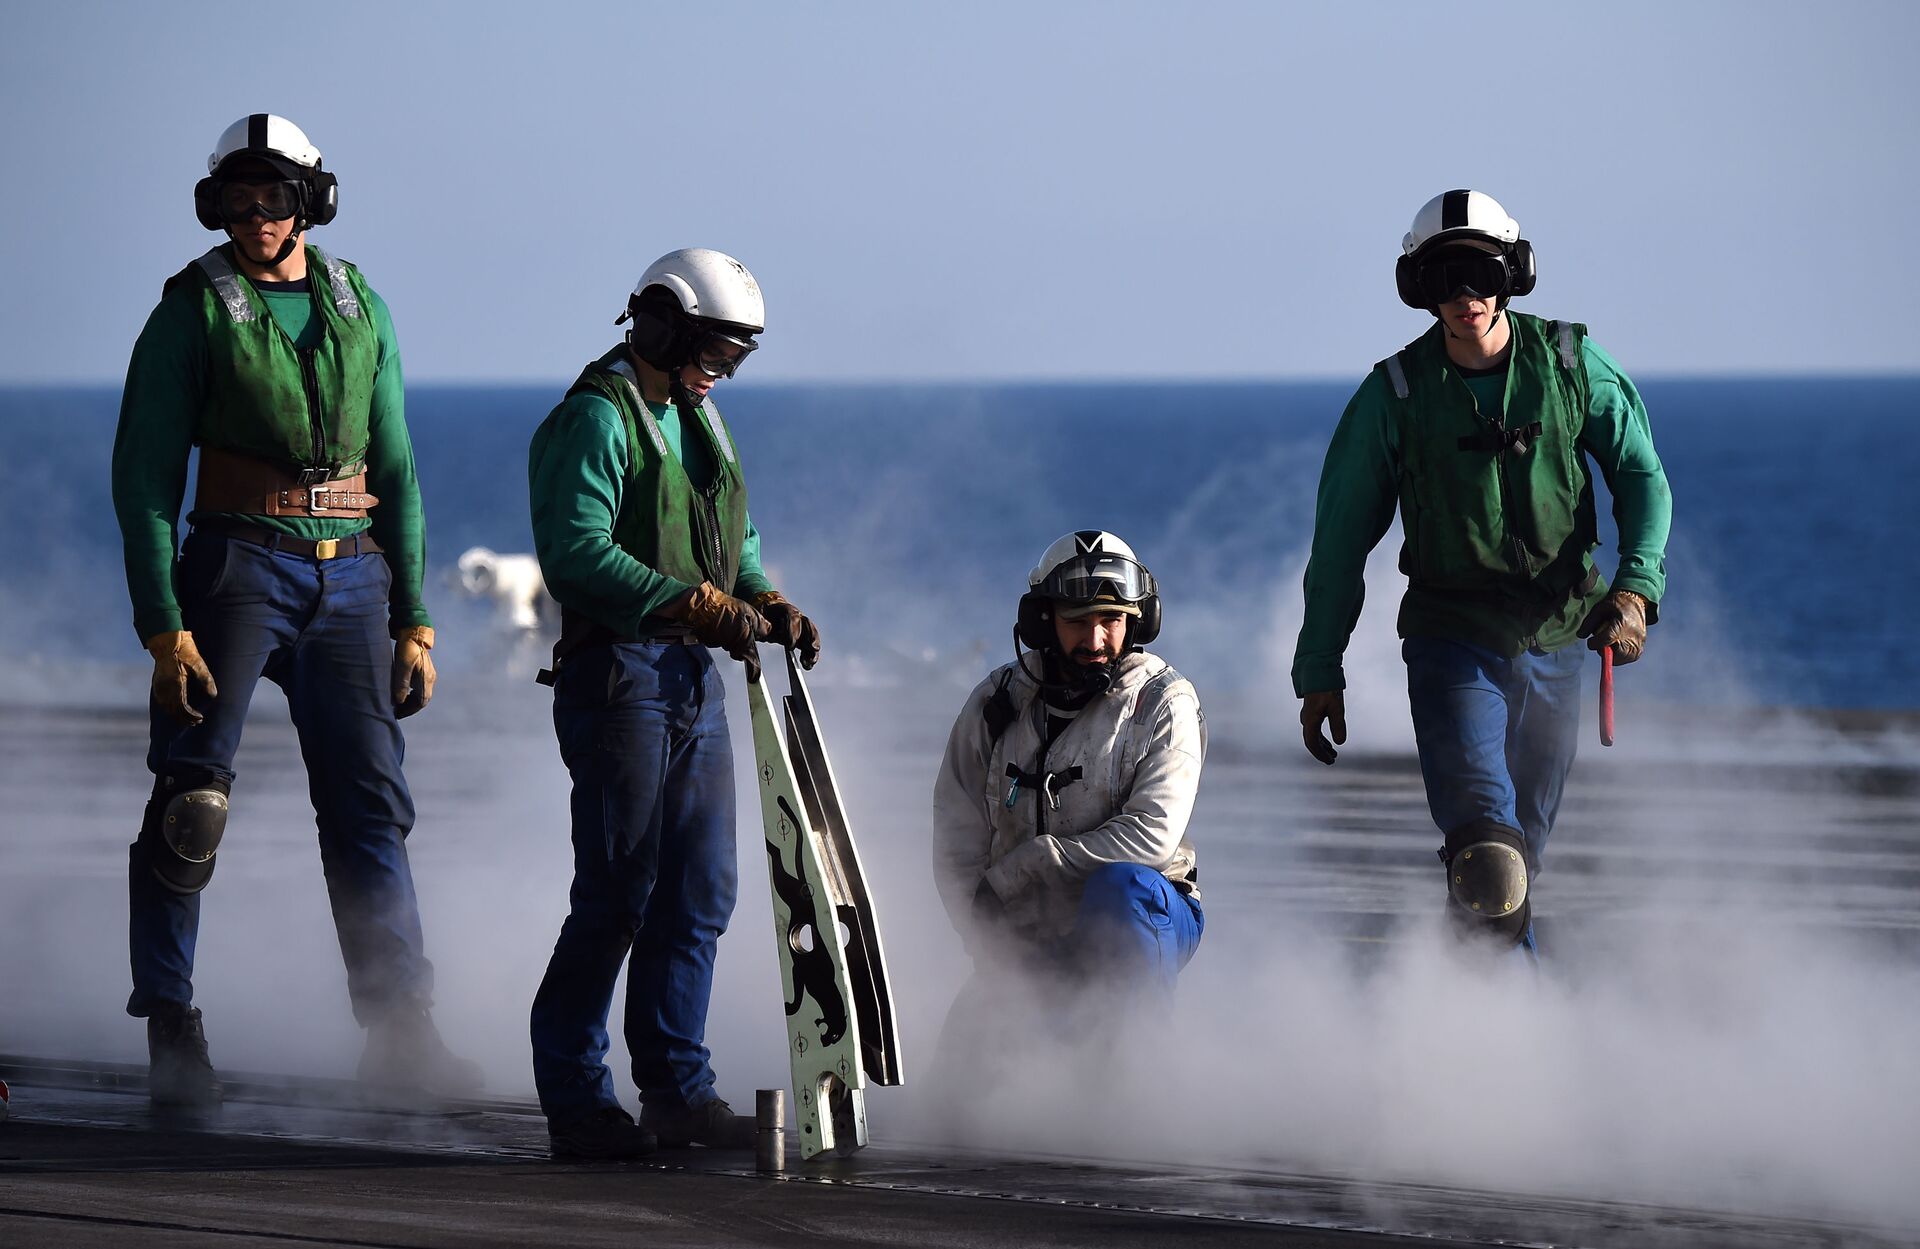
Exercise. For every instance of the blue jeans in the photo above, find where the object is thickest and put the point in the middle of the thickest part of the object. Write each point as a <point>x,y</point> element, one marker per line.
<point>643,732</point>
<point>1134,928</point>
<point>317,629</point>
<point>1496,735</point>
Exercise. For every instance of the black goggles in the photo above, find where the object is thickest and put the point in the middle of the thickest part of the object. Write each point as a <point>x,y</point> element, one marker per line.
<point>718,354</point>
<point>1092,578</point>
<point>243,201</point>
<point>1469,271</point>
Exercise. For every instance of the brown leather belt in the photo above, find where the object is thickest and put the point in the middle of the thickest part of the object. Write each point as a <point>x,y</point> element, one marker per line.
<point>308,548</point>
<point>247,486</point>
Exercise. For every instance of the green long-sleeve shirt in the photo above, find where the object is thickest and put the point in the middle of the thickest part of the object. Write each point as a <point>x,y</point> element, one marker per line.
<point>577,472</point>
<point>1360,489</point>
<point>166,387</point>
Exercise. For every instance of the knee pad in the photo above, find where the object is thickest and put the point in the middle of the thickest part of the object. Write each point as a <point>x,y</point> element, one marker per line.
<point>187,818</point>
<point>1488,877</point>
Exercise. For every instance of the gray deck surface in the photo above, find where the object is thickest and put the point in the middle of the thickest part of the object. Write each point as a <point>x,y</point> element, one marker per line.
<point>86,1161</point>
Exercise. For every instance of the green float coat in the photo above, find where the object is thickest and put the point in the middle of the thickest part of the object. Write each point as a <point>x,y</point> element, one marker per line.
<point>691,532</point>
<point>1497,543</point>
<point>1492,525</point>
<point>170,382</point>
<point>594,481</point>
<point>304,404</point>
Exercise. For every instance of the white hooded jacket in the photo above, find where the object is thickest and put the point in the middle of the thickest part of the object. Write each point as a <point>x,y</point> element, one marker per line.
<point>1139,748</point>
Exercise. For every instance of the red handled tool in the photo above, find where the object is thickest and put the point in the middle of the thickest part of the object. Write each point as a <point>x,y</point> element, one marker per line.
<point>1606,695</point>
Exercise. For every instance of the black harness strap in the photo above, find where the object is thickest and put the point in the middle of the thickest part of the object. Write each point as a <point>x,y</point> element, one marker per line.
<point>1498,440</point>
<point>1044,783</point>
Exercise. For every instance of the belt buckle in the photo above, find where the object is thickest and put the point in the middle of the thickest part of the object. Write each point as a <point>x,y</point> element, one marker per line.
<point>326,548</point>
<point>314,505</point>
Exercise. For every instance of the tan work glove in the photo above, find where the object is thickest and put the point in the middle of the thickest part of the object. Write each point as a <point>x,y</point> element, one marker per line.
<point>719,619</point>
<point>789,626</point>
<point>175,659</point>
<point>412,669</point>
<point>1317,709</point>
<point>1619,620</point>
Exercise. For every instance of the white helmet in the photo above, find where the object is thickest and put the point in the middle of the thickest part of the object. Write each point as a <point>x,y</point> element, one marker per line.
<point>271,138</point>
<point>710,285</point>
<point>1497,261</point>
<point>1460,215</point>
<point>283,146</point>
<point>1083,572</point>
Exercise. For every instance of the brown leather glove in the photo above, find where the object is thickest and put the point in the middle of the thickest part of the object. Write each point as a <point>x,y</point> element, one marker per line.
<point>719,619</point>
<point>789,626</point>
<point>1317,709</point>
<point>175,659</point>
<point>1619,620</point>
<point>412,669</point>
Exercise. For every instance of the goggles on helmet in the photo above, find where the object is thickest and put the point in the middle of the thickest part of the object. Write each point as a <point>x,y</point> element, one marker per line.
<point>1097,576</point>
<point>238,202</point>
<point>1454,271</point>
<point>718,354</point>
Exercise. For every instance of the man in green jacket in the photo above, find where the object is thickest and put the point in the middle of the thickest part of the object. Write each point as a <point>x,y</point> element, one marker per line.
<point>279,363</point>
<point>1480,431</point>
<point>640,522</point>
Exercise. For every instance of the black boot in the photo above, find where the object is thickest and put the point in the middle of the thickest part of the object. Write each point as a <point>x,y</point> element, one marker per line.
<point>405,1052</point>
<point>711,1123</point>
<point>606,1133</point>
<point>178,1070</point>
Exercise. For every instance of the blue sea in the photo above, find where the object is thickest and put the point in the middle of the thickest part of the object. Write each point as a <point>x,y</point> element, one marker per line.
<point>906,517</point>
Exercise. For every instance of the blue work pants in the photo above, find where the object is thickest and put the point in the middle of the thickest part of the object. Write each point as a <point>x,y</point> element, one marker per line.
<point>1134,929</point>
<point>643,732</point>
<point>1496,735</point>
<point>317,629</point>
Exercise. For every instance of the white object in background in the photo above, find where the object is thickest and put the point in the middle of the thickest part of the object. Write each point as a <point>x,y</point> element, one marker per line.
<point>512,582</point>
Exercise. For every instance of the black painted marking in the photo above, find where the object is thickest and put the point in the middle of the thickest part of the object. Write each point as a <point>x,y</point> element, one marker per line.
<point>812,969</point>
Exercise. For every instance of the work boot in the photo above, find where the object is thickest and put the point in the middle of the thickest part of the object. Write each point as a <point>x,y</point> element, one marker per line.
<point>179,1073</point>
<point>404,1051</point>
<point>711,1123</point>
<point>606,1133</point>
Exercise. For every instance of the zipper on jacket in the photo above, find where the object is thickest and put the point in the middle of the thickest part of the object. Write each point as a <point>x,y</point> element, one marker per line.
<point>710,518</point>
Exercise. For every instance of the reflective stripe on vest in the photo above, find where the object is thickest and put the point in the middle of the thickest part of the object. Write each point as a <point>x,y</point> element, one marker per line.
<point>718,431</point>
<point>1397,375</point>
<point>1569,346</point>
<point>345,302</point>
<point>226,284</point>
<point>624,370</point>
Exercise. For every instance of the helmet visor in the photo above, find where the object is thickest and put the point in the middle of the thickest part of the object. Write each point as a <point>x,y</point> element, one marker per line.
<point>243,201</point>
<point>1464,270</point>
<point>1095,577</point>
<point>717,354</point>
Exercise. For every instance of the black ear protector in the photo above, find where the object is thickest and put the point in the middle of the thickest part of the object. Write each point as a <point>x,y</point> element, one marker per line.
<point>203,205</point>
<point>323,198</point>
<point>1146,627</point>
<point>1520,270</point>
<point>1520,263</point>
<point>1033,625</point>
<point>1406,278</point>
<point>659,333</point>
<point>319,201</point>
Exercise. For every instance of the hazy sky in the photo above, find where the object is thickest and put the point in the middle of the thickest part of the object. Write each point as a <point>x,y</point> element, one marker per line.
<point>980,190</point>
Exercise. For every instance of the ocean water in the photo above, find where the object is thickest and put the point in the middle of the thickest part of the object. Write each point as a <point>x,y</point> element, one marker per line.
<point>905,517</point>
